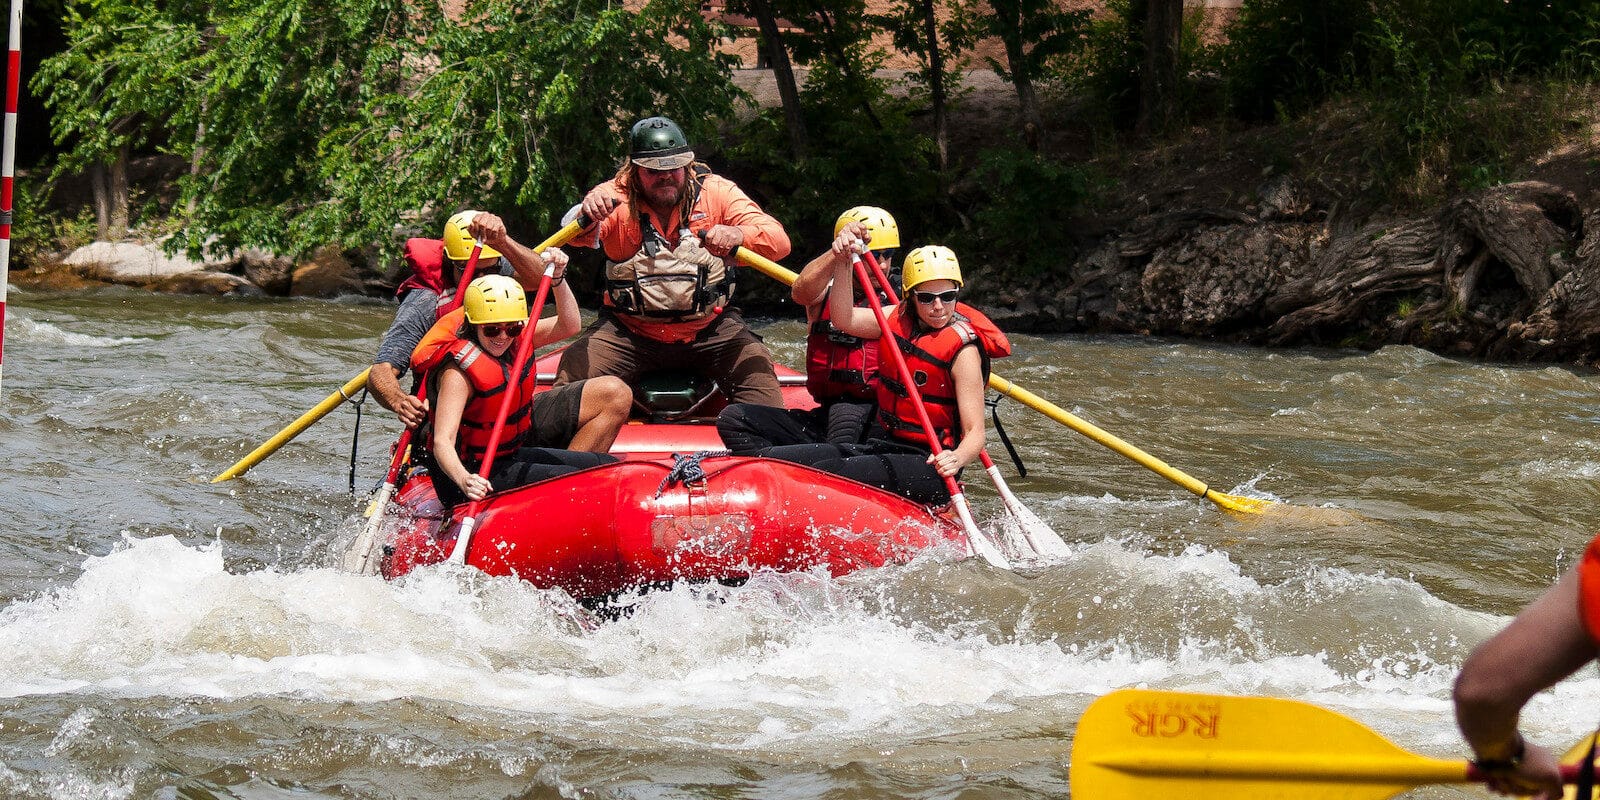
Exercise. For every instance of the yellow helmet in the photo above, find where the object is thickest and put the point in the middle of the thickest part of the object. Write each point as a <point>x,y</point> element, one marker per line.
<point>930,263</point>
<point>885,234</point>
<point>495,298</point>
<point>458,243</point>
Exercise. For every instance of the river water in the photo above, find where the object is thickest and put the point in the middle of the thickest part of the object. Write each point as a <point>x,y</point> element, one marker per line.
<point>165,637</point>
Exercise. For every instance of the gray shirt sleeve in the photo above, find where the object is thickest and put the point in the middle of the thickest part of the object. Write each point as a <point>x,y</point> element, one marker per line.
<point>416,315</point>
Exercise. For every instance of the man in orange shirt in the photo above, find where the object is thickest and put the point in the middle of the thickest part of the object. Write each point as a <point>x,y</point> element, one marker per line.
<point>668,227</point>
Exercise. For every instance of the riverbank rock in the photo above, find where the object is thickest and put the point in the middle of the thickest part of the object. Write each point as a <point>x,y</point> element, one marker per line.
<point>326,274</point>
<point>132,263</point>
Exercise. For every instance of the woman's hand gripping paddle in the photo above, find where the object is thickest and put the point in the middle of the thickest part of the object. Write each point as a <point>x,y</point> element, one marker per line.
<point>1134,744</point>
<point>979,541</point>
<point>360,557</point>
<point>524,351</point>
<point>1041,537</point>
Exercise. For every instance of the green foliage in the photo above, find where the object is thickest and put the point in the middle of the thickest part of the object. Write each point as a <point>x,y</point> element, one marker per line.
<point>279,78</point>
<point>1282,56</point>
<point>1105,68</point>
<point>521,111</point>
<point>865,149</point>
<point>37,233</point>
<point>1021,203</point>
<point>121,82</point>
<point>1040,30</point>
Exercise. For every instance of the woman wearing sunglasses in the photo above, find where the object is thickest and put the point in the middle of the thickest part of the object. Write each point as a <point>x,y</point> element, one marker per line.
<point>947,346</point>
<point>470,384</point>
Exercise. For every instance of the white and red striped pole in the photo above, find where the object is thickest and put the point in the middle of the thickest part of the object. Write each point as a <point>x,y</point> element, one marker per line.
<point>8,160</point>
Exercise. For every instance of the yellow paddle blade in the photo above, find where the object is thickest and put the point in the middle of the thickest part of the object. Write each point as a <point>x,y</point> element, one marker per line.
<point>1136,744</point>
<point>1574,757</point>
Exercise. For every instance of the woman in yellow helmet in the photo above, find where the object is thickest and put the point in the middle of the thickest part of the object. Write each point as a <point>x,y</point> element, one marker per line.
<point>471,382</point>
<point>841,370</point>
<point>947,346</point>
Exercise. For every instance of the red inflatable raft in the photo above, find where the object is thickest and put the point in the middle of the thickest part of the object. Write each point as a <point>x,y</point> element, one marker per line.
<point>675,508</point>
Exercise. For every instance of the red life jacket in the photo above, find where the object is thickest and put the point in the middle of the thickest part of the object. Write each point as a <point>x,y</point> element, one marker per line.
<point>426,257</point>
<point>839,366</point>
<point>488,377</point>
<point>931,355</point>
<point>1589,590</point>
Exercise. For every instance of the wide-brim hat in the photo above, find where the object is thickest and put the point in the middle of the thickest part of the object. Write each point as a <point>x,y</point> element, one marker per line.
<point>665,159</point>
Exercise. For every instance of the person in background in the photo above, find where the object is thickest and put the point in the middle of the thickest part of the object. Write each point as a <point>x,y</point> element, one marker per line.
<point>436,266</point>
<point>841,369</point>
<point>1553,637</point>
<point>591,411</point>
<point>947,346</point>
<point>470,384</point>
<point>668,227</point>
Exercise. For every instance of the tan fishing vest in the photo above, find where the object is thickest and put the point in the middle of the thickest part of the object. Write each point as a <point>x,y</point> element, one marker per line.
<point>680,284</point>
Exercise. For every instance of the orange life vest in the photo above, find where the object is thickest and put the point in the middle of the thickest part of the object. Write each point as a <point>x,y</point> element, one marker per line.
<point>930,356</point>
<point>1589,590</point>
<point>431,350</point>
<point>839,366</point>
<point>488,377</point>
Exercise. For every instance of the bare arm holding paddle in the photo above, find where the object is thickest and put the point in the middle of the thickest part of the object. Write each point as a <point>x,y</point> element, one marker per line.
<point>454,391</point>
<point>1545,643</point>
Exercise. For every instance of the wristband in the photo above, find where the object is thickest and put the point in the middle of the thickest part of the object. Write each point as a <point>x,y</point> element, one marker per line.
<point>1507,764</point>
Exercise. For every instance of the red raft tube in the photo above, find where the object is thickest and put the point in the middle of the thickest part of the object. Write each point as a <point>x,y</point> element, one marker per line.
<point>675,508</point>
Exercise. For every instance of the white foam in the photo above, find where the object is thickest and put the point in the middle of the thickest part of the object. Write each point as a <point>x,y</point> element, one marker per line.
<point>786,662</point>
<point>23,329</point>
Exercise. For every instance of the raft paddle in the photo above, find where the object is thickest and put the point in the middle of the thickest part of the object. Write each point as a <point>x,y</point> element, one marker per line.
<point>458,555</point>
<point>1229,502</point>
<point>359,558</point>
<point>975,537</point>
<point>1041,537</point>
<point>1134,744</point>
<point>320,410</point>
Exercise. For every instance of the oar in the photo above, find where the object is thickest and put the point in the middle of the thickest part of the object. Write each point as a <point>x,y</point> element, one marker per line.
<point>356,384</point>
<point>979,541</point>
<point>359,558</point>
<point>1229,502</point>
<point>1134,744</point>
<point>524,350</point>
<point>1041,537</point>
<point>321,410</point>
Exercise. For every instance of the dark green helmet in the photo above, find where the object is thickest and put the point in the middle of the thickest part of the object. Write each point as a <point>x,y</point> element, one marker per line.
<point>658,143</point>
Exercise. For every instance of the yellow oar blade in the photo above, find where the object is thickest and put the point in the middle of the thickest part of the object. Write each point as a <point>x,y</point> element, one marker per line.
<point>1135,744</point>
<point>1574,757</point>
<point>321,410</point>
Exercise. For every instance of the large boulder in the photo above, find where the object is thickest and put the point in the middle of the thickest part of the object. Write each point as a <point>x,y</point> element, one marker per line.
<point>326,274</point>
<point>132,263</point>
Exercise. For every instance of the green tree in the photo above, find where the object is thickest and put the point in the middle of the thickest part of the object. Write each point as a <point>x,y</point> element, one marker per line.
<point>919,34</point>
<point>521,108</point>
<point>1034,33</point>
<point>119,86</point>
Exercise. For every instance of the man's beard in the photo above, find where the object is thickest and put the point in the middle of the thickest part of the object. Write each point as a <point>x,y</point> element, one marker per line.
<point>664,196</point>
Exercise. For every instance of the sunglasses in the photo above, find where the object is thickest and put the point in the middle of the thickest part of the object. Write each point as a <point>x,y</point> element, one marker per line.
<point>946,297</point>
<point>508,329</point>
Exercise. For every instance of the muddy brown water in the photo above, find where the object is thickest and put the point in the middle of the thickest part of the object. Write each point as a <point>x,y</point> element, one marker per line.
<point>164,637</point>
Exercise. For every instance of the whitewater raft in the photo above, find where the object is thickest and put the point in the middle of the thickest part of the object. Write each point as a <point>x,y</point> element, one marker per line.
<point>676,507</point>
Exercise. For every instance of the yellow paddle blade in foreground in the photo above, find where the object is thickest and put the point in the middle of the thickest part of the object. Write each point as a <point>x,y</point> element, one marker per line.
<point>1135,744</point>
<point>321,410</point>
